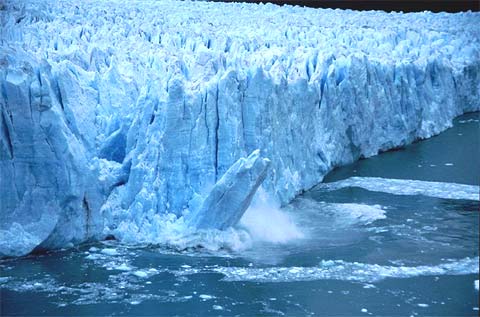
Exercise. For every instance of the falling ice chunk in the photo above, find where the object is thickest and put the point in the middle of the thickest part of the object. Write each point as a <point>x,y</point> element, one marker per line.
<point>232,194</point>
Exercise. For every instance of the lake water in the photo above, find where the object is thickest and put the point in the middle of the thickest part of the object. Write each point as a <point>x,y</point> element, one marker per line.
<point>368,247</point>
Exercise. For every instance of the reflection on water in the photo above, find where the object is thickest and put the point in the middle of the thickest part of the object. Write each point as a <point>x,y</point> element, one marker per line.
<point>462,207</point>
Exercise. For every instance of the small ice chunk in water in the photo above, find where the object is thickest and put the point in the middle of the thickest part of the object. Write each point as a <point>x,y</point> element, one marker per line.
<point>448,164</point>
<point>141,274</point>
<point>185,266</point>
<point>364,310</point>
<point>368,286</point>
<point>123,267</point>
<point>110,251</point>
<point>206,297</point>
<point>134,302</point>
<point>422,305</point>
<point>92,257</point>
<point>93,249</point>
<point>217,307</point>
<point>475,284</point>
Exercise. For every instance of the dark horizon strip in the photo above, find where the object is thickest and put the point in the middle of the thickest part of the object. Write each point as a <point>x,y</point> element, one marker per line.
<point>384,5</point>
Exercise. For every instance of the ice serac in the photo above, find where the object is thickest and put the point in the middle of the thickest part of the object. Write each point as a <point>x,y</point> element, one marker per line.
<point>117,117</point>
<point>232,194</point>
<point>48,198</point>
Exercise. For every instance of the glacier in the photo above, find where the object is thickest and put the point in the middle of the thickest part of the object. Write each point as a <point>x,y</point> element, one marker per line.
<point>125,119</point>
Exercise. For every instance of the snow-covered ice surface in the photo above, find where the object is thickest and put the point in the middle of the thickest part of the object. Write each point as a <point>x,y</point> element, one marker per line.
<point>406,187</point>
<point>122,117</point>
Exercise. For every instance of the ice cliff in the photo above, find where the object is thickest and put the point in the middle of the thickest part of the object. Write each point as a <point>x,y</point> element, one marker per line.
<point>119,117</point>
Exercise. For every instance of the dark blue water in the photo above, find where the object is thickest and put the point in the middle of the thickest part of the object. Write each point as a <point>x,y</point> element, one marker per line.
<point>362,253</point>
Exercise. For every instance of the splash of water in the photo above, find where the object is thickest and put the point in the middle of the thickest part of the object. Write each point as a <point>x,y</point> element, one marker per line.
<point>270,224</point>
<point>266,222</point>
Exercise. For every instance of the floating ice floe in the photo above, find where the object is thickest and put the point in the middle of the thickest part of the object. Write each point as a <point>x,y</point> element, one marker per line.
<point>347,271</point>
<point>407,187</point>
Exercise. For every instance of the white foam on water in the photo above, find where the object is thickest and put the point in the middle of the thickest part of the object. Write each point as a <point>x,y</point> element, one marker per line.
<point>468,121</point>
<point>347,271</point>
<point>338,214</point>
<point>357,213</point>
<point>406,187</point>
<point>264,221</point>
<point>173,235</point>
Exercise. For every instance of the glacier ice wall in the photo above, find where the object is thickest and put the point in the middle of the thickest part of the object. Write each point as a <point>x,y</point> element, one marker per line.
<point>115,115</point>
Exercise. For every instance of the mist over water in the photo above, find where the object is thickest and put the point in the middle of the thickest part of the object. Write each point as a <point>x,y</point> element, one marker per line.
<point>266,222</point>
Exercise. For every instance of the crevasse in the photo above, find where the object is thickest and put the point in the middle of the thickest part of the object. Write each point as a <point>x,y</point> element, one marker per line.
<point>117,117</point>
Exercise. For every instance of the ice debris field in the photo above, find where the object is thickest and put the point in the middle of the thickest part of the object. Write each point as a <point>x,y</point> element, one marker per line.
<point>144,120</point>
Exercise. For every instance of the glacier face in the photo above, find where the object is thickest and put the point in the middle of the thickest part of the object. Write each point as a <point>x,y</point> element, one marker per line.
<point>120,117</point>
